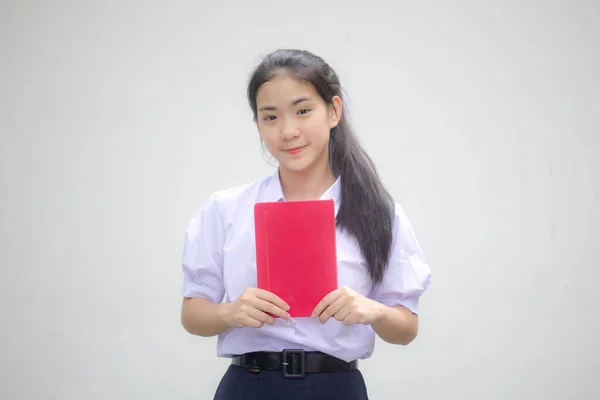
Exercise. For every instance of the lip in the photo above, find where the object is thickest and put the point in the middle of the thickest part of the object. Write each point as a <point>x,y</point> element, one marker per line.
<point>295,150</point>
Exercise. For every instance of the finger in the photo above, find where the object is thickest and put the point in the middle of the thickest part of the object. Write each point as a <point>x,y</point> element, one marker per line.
<point>271,308</point>
<point>332,309</point>
<point>351,318</point>
<point>272,298</point>
<point>326,302</point>
<point>342,314</point>
<point>260,317</point>
<point>247,320</point>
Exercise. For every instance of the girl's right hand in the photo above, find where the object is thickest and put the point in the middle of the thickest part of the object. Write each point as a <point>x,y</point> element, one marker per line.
<point>253,309</point>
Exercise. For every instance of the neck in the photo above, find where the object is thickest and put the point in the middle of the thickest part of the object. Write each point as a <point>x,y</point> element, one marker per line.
<point>306,185</point>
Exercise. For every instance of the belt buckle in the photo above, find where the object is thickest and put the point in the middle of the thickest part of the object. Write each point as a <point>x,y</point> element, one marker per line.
<point>293,363</point>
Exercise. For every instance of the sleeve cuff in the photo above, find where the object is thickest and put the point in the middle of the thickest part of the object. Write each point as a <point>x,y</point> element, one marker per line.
<point>409,302</point>
<point>193,289</point>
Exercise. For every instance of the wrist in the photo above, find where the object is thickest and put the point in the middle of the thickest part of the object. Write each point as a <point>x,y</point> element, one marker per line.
<point>223,312</point>
<point>379,312</point>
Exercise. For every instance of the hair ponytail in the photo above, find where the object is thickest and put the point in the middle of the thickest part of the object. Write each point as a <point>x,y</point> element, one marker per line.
<point>366,209</point>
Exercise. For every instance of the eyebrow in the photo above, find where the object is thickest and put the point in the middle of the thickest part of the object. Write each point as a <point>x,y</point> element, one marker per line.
<point>295,102</point>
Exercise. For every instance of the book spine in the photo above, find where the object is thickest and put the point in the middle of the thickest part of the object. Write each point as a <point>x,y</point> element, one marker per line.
<point>267,253</point>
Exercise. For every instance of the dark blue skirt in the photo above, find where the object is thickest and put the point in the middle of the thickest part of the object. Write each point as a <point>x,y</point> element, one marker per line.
<point>239,383</point>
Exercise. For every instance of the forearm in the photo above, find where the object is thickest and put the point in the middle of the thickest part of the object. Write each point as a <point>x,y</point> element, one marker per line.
<point>396,325</point>
<point>203,318</point>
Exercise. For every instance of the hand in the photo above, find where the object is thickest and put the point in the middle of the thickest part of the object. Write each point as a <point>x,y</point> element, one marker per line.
<point>253,309</point>
<point>349,307</point>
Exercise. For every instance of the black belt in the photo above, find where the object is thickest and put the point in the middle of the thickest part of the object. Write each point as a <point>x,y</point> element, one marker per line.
<point>293,363</point>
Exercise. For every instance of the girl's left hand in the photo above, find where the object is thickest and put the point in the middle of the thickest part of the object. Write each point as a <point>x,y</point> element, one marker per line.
<point>348,307</point>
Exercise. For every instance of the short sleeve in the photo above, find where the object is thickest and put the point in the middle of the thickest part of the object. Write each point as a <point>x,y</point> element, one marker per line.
<point>202,262</point>
<point>408,275</point>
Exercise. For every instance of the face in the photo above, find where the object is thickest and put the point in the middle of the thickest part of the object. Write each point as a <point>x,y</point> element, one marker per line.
<point>294,123</point>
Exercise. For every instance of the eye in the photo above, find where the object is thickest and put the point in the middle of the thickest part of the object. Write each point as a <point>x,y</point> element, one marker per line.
<point>269,118</point>
<point>303,111</point>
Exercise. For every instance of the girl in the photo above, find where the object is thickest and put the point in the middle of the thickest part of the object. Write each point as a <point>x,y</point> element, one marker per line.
<point>296,99</point>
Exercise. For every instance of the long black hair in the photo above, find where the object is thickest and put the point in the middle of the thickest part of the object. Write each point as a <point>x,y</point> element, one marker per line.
<point>366,209</point>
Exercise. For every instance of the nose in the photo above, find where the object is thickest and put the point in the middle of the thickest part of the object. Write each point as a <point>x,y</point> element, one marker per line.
<point>289,130</point>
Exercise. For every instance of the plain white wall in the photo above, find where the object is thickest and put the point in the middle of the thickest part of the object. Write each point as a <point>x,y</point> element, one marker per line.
<point>117,119</point>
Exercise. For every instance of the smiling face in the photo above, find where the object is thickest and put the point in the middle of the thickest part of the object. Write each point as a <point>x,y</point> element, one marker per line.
<point>294,122</point>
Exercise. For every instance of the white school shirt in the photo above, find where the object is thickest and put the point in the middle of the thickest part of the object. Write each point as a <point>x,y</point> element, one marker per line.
<point>219,263</point>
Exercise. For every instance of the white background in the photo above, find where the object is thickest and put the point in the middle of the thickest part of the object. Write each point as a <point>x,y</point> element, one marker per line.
<point>117,119</point>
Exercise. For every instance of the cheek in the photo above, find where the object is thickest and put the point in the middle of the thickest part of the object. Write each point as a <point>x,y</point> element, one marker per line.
<point>317,132</point>
<point>269,137</point>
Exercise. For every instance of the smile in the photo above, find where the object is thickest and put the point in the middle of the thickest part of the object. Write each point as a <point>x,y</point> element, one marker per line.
<point>295,150</point>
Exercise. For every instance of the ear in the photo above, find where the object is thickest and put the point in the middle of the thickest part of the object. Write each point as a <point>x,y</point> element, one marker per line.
<point>335,111</point>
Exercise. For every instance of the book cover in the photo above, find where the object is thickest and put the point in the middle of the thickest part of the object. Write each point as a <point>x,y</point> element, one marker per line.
<point>296,252</point>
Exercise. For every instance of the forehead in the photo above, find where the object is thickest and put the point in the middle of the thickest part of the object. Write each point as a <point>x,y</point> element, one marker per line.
<point>283,90</point>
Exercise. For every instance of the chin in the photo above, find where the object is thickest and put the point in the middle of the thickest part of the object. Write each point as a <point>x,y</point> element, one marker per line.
<point>296,165</point>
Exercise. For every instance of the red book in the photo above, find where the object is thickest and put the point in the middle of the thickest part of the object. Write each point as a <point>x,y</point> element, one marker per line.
<point>296,252</point>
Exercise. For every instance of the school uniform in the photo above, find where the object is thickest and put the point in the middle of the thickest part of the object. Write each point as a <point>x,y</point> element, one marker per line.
<point>219,262</point>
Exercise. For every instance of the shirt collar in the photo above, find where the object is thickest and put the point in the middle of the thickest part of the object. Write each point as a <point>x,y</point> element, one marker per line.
<point>274,192</point>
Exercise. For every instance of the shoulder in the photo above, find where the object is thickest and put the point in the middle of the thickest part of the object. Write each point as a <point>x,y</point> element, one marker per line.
<point>399,213</point>
<point>231,199</point>
<point>403,231</point>
<point>225,203</point>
